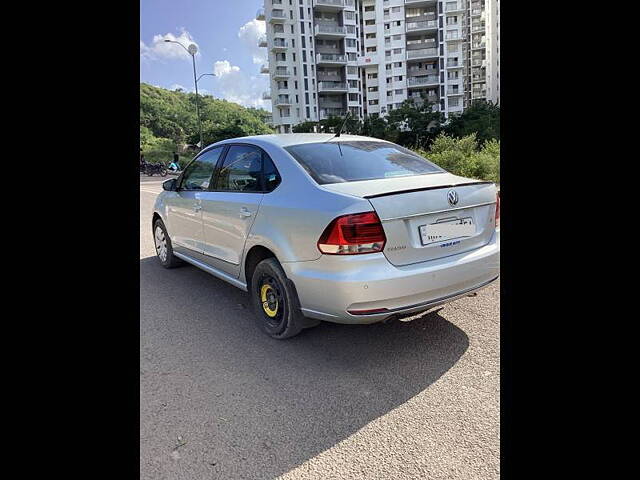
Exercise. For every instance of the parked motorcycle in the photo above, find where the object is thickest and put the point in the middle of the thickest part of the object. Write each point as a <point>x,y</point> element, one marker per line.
<point>151,168</point>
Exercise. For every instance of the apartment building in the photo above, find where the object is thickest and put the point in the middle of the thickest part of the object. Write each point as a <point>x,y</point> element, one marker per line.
<point>327,57</point>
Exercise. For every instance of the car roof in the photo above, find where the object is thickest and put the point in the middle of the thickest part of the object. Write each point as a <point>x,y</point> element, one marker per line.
<point>287,139</point>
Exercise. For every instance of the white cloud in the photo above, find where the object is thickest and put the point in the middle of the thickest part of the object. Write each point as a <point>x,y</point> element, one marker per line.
<point>161,50</point>
<point>250,33</point>
<point>224,67</point>
<point>177,86</point>
<point>239,87</point>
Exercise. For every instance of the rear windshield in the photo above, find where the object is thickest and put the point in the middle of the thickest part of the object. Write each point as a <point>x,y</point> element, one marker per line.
<point>339,162</point>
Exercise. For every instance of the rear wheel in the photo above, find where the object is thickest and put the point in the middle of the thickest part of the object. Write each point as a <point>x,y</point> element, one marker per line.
<point>164,249</point>
<point>275,302</point>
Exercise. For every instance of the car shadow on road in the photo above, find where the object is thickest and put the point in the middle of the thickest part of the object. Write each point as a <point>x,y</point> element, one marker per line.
<point>258,407</point>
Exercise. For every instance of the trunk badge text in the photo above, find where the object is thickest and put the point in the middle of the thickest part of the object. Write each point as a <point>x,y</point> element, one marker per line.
<point>452,196</point>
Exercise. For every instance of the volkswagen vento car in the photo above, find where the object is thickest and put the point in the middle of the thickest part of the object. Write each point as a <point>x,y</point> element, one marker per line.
<point>318,227</point>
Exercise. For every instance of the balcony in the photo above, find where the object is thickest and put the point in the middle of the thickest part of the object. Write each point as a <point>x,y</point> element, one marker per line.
<point>324,76</point>
<point>454,91</point>
<point>332,112</point>
<point>478,45</point>
<point>422,25</point>
<point>277,16</point>
<point>477,27</point>
<point>454,8</point>
<point>266,95</point>
<point>330,59</point>
<point>262,42</point>
<point>476,12</point>
<point>478,62</point>
<point>264,69</point>
<point>281,72</point>
<point>479,94</point>
<point>279,44</point>
<point>260,14</point>
<point>423,81</point>
<point>414,71</point>
<point>330,31</point>
<point>457,64</point>
<point>416,3</point>
<point>282,101</point>
<point>454,36</point>
<point>328,87</point>
<point>422,53</point>
<point>328,5</point>
<point>419,100</point>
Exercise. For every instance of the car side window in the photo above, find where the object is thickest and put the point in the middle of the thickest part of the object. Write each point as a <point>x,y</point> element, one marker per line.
<point>198,174</point>
<point>271,176</point>
<point>241,170</point>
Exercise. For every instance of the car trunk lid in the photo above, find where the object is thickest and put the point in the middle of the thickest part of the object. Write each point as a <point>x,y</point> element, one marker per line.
<point>409,206</point>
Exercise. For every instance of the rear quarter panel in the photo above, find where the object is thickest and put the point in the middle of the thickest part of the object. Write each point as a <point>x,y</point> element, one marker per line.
<point>293,216</point>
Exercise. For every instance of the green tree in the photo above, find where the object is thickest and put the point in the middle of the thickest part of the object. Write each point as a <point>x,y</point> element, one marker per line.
<point>304,127</point>
<point>414,124</point>
<point>481,118</point>
<point>168,121</point>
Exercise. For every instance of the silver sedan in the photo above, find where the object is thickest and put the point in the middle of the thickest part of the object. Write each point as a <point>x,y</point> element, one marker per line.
<point>344,229</point>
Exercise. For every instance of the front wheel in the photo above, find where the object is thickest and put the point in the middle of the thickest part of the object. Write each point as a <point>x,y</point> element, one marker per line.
<point>164,248</point>
<point>275,302</point>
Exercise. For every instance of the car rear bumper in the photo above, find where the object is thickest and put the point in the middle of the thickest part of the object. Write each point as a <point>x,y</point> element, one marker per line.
<point>330,287</point>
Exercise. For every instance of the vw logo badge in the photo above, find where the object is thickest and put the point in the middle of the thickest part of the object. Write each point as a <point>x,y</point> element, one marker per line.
<point>452,196</point>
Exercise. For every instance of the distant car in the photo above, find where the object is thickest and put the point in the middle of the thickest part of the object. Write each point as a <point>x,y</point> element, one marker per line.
<point>315,227</point>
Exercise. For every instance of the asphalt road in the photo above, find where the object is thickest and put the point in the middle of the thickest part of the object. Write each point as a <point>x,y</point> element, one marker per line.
<point>219,399</point>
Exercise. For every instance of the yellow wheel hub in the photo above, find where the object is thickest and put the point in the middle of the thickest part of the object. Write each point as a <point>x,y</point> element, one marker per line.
<point>269,307</point>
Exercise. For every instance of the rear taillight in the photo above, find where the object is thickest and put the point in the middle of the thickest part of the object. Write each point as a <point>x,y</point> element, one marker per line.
<point>353,234</point>
<point>498,209</point>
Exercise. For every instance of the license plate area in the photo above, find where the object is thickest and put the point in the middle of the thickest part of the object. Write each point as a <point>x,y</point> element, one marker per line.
<point>445,230</point>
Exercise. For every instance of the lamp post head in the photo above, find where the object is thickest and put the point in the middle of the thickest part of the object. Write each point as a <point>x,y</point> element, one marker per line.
<point>193,49</point>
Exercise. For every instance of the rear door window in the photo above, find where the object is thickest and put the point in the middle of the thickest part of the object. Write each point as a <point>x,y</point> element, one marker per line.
<point>241,170</point>
<point>339,162</point>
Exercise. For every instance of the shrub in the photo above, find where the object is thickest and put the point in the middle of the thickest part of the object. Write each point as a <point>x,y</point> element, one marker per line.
<point>461,156</point>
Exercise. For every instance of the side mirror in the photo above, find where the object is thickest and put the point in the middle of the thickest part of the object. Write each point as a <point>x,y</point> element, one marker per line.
<point>170,185</point>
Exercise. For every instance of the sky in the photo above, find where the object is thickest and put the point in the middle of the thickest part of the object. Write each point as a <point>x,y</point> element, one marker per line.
<point>226,33</point>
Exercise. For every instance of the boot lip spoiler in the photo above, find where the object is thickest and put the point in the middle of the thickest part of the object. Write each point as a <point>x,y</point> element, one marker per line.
<point>398,192</point>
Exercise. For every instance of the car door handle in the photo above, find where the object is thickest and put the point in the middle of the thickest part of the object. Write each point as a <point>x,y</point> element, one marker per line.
<point>245,213</point>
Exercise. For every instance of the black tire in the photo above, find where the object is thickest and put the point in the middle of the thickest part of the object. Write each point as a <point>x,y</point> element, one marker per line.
<point>281,298</point>
<point>170,260</point>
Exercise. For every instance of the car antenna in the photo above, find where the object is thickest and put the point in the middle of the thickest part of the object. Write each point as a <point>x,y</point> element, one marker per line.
<point>344,122</point>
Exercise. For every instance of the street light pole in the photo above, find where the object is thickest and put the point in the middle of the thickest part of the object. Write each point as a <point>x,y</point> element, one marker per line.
<point>193,58</point>
<point>192,50</point>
